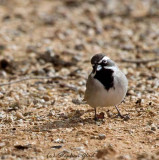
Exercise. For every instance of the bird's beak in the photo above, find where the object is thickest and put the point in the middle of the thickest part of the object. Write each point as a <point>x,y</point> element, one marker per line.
<point>94,68</point>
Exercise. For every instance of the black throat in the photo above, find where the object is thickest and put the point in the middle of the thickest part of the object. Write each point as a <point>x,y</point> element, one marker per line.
<point>105,76</point>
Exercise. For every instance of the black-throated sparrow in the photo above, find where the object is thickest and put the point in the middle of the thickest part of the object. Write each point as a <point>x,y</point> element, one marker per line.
<point>106,85</point>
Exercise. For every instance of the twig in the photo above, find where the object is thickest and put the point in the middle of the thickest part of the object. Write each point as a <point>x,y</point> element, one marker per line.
<point>29,78</point>
<point>144,61</point>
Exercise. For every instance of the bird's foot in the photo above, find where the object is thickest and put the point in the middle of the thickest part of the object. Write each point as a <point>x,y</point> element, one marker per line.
<point>95,118</point>
<point>124,117</point>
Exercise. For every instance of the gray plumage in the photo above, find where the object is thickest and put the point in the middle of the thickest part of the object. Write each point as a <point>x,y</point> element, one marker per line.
<point>106,85</point>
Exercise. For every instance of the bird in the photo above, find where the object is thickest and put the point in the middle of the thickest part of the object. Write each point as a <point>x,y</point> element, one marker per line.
<point>106,85</point>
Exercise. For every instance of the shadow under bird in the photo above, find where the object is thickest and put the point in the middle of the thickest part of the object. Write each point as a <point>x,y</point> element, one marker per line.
<point>106,85</point>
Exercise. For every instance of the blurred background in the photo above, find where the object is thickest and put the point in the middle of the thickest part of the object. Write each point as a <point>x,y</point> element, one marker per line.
<point>58,38</point>
<point>80,28</point>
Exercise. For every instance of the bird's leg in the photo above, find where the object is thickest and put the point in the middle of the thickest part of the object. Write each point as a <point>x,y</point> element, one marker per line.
<point>119,114</point>
<point>95,116</point>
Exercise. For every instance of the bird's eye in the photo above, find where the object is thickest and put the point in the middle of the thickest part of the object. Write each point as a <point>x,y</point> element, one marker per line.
<point>104,61</point>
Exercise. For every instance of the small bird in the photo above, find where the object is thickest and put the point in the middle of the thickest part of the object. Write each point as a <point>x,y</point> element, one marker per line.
<point>106,85</point>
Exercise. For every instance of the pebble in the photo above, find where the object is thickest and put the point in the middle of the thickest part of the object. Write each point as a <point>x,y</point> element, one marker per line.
<point>2,115</point>
<point>79,148</point>
<point>41,157</point>
<point>42,101</point>
<point>2,47</point>
<point>20,121</point>
<point>124,157</point>
<point>153,127</point>
<point>39,105</point>
<point>64,152</point>
<point>78,139</point>
<point>2,144</point>
<point>64,72</point>
<point>76,58</point>
<point>130,70</point>
<point>39,150</point>
<point>31,48</point>
<point>19,115</point>
<point>131,92</point>
<point>59,140</point>
<point>41,88</point>
<point>1,95</point>
<point>10,118</point>
<point>56,147</point>
<point>69,129</point>
<point>86,143</point>
<point>94,137</point>
<point>102,136</point>
<point>46,98</point>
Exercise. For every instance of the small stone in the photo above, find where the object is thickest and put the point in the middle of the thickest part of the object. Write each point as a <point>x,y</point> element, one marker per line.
<point>1,95</point>
<point>46,98</point>
<point>41,88</point>
<point>59,140</point>
<point>56,147</point>
<point>131,92</point>
<point>42,101</point>
<point>2,115</point>
<point>64,152</point>
<point>78,139</point>
<point>102,136</point>
<point>86,143</point>
<point>51,113</point>
<point>69,129</point>
<point>48,19</point>
<point>79,47</point>
<point>98,123</point>
<point>19,115</point>
<point>40,157</point>
<point>64,72</point>
<point>2,47</point>
<point>77,101</point>
<point>23,147</point>
<point>2,144</point>
<point>10,119</point>
<point>38,149</point>
<point>124,157</point>
<point>76,58</point>
<point>105,151</point>
<point>79,148</point>
<point>153,127</point>
<point>94,137</point>
<point>31,48</point>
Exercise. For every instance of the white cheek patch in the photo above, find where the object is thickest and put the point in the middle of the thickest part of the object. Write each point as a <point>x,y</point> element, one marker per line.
<point>99,67</point>
<point>106,67</point>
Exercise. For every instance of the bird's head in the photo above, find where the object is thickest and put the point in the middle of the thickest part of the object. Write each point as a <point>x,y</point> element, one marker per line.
<point>101,61</point>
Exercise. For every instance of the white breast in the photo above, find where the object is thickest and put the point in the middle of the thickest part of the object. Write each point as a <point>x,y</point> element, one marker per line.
<point>97,96</point>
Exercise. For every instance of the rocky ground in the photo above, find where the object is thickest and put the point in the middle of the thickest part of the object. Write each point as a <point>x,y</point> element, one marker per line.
<point>45,118</point>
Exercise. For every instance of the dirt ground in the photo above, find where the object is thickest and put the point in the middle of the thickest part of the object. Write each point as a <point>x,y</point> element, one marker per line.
<point>46,118</point>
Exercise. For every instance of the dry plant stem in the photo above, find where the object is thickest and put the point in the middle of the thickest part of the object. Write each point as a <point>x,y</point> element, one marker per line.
<point>140,60</point>
<point>29,78</point>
